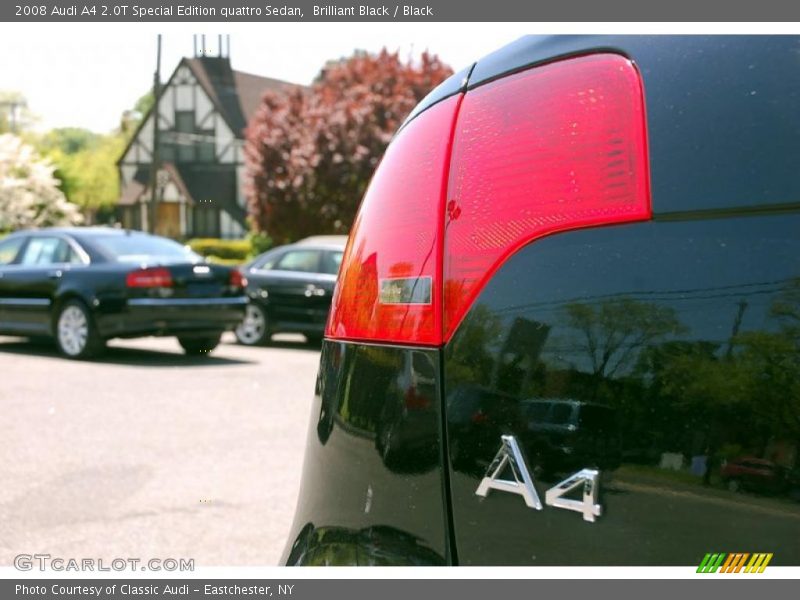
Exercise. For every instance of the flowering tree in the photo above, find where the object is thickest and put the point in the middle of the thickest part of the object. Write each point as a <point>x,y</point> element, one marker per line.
<point>310,153</point>
<point>29,194</point>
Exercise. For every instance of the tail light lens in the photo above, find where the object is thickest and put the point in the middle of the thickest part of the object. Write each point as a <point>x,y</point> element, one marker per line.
<point>560,146</point>
<point>389,279</point>
<point>149,278</point>
<point>476,177</point>
<point>236,279</point>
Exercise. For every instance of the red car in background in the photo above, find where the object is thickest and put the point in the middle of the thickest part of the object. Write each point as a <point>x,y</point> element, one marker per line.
<point>754,474</point>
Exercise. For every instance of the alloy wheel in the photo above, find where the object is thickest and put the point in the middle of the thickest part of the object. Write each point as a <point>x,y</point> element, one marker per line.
<point>73,330</point>
<point>251,330</point>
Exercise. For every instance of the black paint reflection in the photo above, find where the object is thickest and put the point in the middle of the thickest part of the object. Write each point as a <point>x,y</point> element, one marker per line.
<point>373,546</point>
<point>662,354</point>
<point>389,397</point>
<point>372,482</point>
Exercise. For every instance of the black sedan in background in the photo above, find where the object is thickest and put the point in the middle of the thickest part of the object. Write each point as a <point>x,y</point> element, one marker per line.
<point>290,289</point>
<point>83,286</point>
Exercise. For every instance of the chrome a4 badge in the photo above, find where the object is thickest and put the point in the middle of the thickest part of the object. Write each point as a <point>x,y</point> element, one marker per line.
<point>510,458</point>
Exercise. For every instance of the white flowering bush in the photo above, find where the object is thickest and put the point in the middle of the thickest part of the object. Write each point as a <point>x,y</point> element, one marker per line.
<point>29,194</point>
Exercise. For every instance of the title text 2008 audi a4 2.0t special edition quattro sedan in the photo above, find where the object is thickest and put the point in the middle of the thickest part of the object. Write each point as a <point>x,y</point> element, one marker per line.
<point>570,297</point>
<point>83,286</point>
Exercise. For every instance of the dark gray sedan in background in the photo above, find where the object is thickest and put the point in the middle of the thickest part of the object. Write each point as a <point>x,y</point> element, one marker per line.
<point>290,289</point>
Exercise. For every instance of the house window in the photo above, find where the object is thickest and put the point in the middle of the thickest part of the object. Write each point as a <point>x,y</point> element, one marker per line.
<point>185,152</point>
<point>205,221</point>
<point>205,147</point>
<point>184,121</point>
<point>184,124</point>
<point>166,151</point>
<point>190,143</point>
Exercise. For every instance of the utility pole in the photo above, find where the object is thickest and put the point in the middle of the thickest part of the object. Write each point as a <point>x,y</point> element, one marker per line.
<point>152,213</point>
<point>737,324</point>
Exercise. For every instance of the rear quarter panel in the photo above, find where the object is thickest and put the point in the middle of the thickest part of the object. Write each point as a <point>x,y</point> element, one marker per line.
<point>685,327</point>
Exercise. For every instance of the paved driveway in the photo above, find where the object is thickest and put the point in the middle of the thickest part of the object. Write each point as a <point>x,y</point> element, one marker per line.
<point>150,454</point>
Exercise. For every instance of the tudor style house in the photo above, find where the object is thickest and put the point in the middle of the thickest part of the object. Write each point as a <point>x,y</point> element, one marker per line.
<point>203,110</point>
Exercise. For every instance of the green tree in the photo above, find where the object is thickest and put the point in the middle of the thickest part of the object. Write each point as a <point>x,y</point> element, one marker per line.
<point>67,140</point>
<point>94,175</point>
<point>86,166</point>
<point>613,331</point>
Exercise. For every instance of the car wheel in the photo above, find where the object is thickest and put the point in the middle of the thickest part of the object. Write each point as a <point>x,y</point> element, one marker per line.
<point>197,346</point>
<point>253,330</point>
<point>76,334</point>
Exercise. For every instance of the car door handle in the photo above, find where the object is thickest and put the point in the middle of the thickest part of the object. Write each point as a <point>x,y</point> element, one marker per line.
<point>55,274</point>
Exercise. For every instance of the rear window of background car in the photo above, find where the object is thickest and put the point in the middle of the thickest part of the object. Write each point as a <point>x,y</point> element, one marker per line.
<point>135,248</point>
<point>306,261</point>
<point>331,262</point>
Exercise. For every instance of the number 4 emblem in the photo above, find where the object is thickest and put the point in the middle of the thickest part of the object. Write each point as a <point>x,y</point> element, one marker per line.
<point>510,456</point>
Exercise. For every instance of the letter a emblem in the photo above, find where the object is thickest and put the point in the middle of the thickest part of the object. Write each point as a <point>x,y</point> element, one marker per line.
<point>510,456</point>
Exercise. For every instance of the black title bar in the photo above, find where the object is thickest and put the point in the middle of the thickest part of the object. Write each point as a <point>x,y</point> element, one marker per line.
<point>740,588</point>
<point>153,11</point>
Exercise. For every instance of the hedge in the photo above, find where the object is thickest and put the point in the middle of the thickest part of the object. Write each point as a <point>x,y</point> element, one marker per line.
<point>227,250</point>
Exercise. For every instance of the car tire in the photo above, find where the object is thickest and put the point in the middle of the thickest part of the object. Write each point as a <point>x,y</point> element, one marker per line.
<point>199,346</point>
<point>75,331</point>
<point>254,328</point>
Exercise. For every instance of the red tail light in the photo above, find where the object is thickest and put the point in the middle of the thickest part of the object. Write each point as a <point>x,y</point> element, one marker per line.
<point>479,417</point>
<point>149,278</point>
<point>415,400</point>
<point>236,279</point>
<point>557,147</point>
<point>389,280</point>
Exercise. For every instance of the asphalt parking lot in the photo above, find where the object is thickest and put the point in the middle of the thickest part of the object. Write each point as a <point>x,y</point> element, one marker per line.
<point>147,453</point>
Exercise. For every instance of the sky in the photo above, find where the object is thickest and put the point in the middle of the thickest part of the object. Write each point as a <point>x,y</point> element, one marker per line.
<point>86,75</point>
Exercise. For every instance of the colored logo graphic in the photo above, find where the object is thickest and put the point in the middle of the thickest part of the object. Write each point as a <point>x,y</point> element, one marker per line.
<point>736,562</point>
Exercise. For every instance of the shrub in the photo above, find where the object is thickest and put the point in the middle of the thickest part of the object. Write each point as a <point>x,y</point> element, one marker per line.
<point>227,250</point>
<point>232,262</point>
<point>260,242</point>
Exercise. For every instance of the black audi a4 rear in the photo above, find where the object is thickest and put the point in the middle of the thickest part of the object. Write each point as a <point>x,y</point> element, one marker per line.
<point>570,297</point>
<point>83,286</point>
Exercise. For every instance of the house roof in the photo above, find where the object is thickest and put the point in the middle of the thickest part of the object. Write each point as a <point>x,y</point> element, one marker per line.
<point>140,183</point>
<point>133,190</point>
<point>235,94</point>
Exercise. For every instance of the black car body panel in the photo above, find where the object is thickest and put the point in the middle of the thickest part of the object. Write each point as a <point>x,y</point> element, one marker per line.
<point>372,488</point>
<point>694,351</point>
<point>651,352</point>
